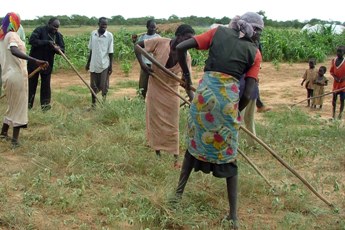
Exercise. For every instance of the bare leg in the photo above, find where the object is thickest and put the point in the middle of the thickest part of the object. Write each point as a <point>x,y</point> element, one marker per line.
<point>231,184</point>
<point>334,104</point>
<point>4,130</point>
<point>15,137</point>
<point>176,164</point>
<point>341,109</point>
<point>186,169</point>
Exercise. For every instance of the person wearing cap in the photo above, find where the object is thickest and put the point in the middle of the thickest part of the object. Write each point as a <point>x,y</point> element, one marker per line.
<point>214,117</point>
<point>13,59</point>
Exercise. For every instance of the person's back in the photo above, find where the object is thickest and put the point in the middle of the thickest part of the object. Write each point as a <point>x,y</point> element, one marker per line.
<point>220,60</point>
<point>213,119</point>
<point>21,34</point>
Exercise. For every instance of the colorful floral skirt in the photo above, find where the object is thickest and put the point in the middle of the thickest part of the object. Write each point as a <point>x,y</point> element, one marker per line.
<point>214,119</point>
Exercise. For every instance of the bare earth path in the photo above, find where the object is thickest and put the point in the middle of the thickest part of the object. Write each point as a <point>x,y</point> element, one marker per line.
<point>279,85</point>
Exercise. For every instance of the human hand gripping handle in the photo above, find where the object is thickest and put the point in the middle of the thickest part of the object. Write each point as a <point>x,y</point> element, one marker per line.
<point>187,85</point>
<point>110,70</point>
<point>55,46</point>
<point>42,64</point>
<point>147,69</point>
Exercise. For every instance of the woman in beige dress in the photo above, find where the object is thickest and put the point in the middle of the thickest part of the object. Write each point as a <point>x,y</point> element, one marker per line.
<point>162,105</point>
<point>13,59</point>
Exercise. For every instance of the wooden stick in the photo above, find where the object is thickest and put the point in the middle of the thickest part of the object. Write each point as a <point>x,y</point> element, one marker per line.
<point>149,57</point>
<point>171,89</point>
<point>75,70</point>
<point>322,95</point>
<point>160,66</point>
<point>254,166</point>
<point>35,71</point>
<point>305,182</point>
<point>30,76</point>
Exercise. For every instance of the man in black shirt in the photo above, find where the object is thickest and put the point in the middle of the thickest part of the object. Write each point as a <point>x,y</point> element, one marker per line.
<point>45,42</point>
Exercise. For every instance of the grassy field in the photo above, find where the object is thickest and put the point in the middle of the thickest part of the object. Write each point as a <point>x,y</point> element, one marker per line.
<point>80,169</point>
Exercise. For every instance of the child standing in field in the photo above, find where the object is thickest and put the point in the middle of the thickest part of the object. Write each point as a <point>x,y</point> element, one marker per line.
<point>338,72</point>
<point>319,86</point>
<point>309,77</point>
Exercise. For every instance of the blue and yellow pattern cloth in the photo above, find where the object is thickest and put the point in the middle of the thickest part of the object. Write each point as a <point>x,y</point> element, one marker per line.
<point>214,119</point>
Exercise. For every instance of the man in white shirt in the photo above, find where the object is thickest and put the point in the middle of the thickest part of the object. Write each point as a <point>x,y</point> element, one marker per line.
<point>101,46</point>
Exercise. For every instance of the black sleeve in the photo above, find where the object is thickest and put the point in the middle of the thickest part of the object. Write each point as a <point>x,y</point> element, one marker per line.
<point>60,42</point>
<point>36,38</point>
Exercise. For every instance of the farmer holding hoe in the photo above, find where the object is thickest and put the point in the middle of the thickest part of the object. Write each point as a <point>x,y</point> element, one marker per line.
<point>162,104</point>
<point>45,42</point>
<point>214,118</point>
<point>13,62</point>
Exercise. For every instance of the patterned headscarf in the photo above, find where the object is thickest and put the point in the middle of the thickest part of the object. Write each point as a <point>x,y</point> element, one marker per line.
<point>11,22</point>
<point>247,23</point>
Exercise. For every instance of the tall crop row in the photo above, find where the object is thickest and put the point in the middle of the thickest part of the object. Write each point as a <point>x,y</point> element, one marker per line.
<point>294,46</point>
<point>279,45</point>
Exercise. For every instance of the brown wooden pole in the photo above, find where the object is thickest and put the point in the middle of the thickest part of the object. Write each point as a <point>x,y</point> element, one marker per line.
<point>171,89</point>
<point>76,71</point>
<point>35,71</point>
<point>305,182</point>
<point>322,95</point>
<point>254,166</point>
<point>155,62</point>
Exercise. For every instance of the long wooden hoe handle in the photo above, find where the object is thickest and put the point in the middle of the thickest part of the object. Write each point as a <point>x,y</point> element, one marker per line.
<point>171,89</point>
<point>76,71</point>
<point>241,152</point>
<point>254,166</point>
<point>30,76</point>
<point>305,182</point>
<point>165,70</point>
<point>322,95</point>
<point>154,61</point>
<point>35,71</point>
